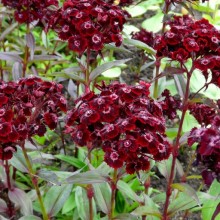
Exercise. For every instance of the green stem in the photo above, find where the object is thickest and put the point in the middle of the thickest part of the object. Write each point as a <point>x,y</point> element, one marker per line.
<point>176,149</point>
<point>35,182</point>
<point>113,187</point>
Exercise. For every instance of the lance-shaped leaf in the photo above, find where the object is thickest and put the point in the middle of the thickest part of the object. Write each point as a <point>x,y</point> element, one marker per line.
<point>21,199</point>
<point>17,71</point>
<point>3,206</point>
<point>181,203</point>
<point>56,197</point>
<point>165,167</point>
<point>8,30</point>
<point>103,196</point>
<point>71,160</point>
<point>89,177</point>
<point>127,191</point>
<point>30,41</point>
<point>216,212</point>
<point>100,69</point>
<point>49,176</point>
<point>10,56</point>
<point>29,217</point>
<point>180,83</point>
<point>140,45</point>
<point>44,57</point>
<point>148,211</point>
<point>186,188</point>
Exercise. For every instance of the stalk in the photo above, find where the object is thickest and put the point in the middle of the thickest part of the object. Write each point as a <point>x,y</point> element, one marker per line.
<point>155,92</point>
<point>35,182</point>
<point>10,205</point>
<point>176,148</point>
<point>113,187</point>
<point>26,55</point>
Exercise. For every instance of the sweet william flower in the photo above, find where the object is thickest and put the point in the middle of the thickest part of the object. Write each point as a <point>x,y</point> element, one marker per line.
<point>88,24</point>
<point>27,108</point>
<point>29,11</point>
<point>128,125</point>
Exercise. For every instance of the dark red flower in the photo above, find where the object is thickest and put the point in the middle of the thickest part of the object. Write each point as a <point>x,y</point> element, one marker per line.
<point>89,24</point>
<point>6,151</point>
<point>129,123</point>
<point>144,36</point>
<point>29,11</point>
<point>27,107</point>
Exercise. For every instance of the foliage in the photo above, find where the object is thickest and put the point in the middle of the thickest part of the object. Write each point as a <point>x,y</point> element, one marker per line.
<point>109,109</point>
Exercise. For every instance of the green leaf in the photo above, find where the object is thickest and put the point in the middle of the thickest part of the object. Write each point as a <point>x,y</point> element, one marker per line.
<point>21,199</point>
<point>3,206</point>
<point>30,41</point>
<point>189,122</point>
<point>100,69</point>
<point>89,177</point>
<point>184,187</point>
<point>136,10</point>
<point>10,56</point>
<point>140,45</point>
<point>69,205</point>
<point>103,196</point>
<point>82,203</point>
<point>181,203</point>
<point>56,197</point>
<point>29,217</point>
<point>146,210</point>
<point>127,191</point>
<point>154,23</point>
<point>165,167</point>
<point>49,176</point>
<point>71,160</point>
<point>18,161</point>
<point>8,30</point>
<point>112,73</point>
<point>125,217</point>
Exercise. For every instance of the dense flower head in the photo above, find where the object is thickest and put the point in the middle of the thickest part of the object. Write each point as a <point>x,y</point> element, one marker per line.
<point>170,104</point>
<point>203,113</point>
<point>27,11</point>
<point>122,120</point>
<point>89,24</point>
<point>208,150</point>
<point>27,107</point>
<point>144,36</point>
<point>190,39</point>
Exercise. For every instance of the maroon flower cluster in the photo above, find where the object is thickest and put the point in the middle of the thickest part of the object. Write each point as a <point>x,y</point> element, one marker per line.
<point>208,139</point>
<point>203,113</point>
<point>144,36</point>
<point>26,109</point>
<point>124,122</point>
<point>198,40</point>
<point>27,11</point>
<point>208,149</point>
<point>120,2</point>
<point>89,24</point>
<point>170,104</point>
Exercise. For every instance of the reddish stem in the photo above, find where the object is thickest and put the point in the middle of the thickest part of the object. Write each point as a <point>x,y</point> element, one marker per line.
<point>176,148</point>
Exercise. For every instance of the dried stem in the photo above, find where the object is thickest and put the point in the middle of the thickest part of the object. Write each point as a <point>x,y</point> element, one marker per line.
<point>35,182</point>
